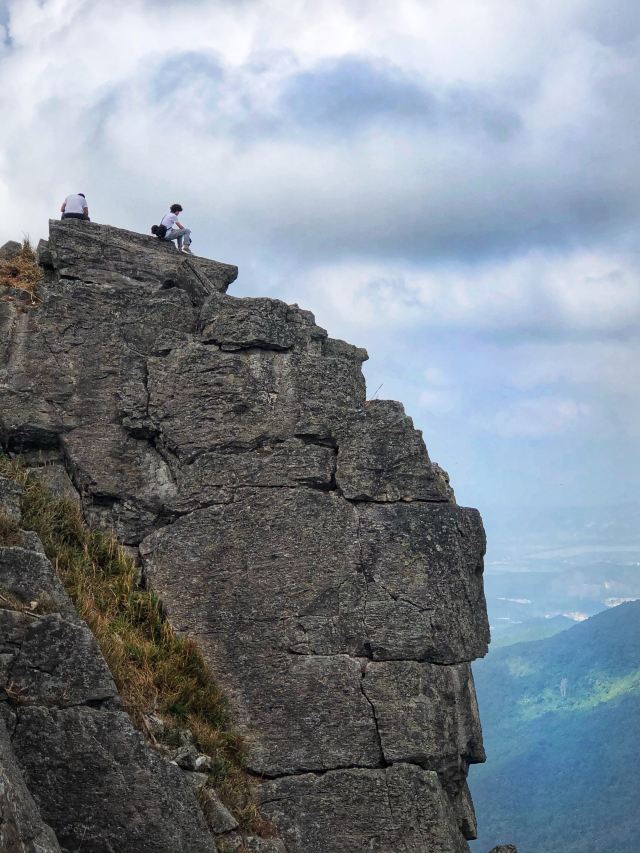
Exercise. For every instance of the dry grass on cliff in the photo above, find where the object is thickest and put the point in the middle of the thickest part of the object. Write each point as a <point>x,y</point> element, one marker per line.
<point>156,671</point>
<point>21,271</point>
<point>10,533</point>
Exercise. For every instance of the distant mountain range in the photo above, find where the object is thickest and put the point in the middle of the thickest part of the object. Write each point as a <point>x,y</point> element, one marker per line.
<point>526,538</point>
<point>544,563</point>
<point>573,591</point>
<point>538,628</point>
<point>561,720</point>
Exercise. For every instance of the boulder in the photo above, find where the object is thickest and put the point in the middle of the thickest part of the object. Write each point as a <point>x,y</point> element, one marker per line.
<point>101,787</point>
<point>55,478</point>
<point>9,250</point>
<point>219,818</point>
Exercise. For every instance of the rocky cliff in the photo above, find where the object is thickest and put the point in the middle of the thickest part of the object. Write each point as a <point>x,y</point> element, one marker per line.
<point>300,534</point>
<point>74,773</point>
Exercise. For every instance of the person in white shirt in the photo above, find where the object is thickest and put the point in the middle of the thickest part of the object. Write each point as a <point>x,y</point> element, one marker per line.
<point>75,207</point>
<point>176,230</point>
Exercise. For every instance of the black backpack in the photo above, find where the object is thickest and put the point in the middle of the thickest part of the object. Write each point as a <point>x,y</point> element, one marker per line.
<point>160,231</point>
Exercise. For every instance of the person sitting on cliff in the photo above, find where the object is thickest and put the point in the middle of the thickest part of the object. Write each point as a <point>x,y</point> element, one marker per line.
<point>75,207</point>
<point>176,230</point>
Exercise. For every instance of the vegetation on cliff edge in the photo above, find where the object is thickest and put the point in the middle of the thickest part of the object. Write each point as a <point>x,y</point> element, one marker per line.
<point>158,673</point>
<point>10,532</point>
<point>21,271</point>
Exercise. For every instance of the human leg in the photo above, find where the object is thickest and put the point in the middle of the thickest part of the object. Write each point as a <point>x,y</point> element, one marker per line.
<point>179,234</point>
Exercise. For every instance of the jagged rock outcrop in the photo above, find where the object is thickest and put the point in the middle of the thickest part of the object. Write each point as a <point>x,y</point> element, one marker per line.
<point>300,534</point>
<point>74,773</point>
<point>9,250</point>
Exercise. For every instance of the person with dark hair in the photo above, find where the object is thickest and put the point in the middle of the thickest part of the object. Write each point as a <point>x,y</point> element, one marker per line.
<point>176,230</point>
<point>75,207</point>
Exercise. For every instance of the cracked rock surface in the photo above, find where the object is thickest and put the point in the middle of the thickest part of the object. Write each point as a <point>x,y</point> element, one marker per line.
<point>74,772</point>
<point>401,808</point>
<point>300,534</point>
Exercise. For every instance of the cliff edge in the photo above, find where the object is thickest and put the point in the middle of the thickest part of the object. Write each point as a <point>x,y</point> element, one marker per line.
<point>300,534</point>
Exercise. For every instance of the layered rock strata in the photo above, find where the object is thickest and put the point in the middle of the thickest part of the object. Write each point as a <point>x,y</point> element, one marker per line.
<point>298,532</point>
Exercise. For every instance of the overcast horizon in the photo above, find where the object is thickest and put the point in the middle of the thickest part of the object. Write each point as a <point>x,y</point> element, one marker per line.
<point>453,187</point>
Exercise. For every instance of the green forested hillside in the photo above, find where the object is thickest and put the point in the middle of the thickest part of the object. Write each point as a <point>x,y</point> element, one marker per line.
<point>561,720</point>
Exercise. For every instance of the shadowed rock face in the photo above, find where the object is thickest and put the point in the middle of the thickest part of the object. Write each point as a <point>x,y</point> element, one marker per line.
<point>22,829</point>
<point>298,532</point>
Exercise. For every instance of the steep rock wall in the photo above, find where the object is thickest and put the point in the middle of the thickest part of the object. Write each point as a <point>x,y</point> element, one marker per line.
<point>298,532</point>
<point>74,773</point>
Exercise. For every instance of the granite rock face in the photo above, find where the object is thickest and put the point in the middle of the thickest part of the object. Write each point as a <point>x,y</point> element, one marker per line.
<point>22,829</point>
<point>9,250</point>
<point>298,532</point>
<point>74,773</point>
<point>401,808</point>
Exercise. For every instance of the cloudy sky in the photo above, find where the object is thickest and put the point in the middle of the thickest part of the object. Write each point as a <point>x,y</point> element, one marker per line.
<point>454,186</point>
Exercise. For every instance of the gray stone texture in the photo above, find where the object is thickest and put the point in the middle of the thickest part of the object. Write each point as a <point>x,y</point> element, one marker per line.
<point>100,253</point>
<point>10,493</point>
<point>299,533</point>
<point>383,458</point>
<point>57,663</point>
<point>428,715</point>
<point>219,818</point>
<point>398,809</point>
<point>9,250</point>
<point>102,788</point>
<point>27,577</point>
<point>251,844</point>
<point>22,829</point>
<point>55,478</point>
<point>423,566</point>
<point>73,770</point>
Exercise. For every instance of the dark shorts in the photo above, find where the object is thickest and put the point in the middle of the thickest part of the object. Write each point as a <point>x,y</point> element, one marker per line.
<point>74,216</point>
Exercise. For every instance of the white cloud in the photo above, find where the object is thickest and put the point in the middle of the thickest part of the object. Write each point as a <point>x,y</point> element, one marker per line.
<point>580,293</point>
<point>437,393</point>
<point>537,417</point>
<point>486,227</point>
<point>611,364</point>
<point>438,400</point>
<point>87,97</point>
<point>435,376</point>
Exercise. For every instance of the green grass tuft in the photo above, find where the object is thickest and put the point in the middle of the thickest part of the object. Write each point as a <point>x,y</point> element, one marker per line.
<point>156,671</point>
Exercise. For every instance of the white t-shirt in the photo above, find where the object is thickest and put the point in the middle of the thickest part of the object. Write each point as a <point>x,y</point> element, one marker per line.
<point>75,203</point>
<point>169,220</point>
